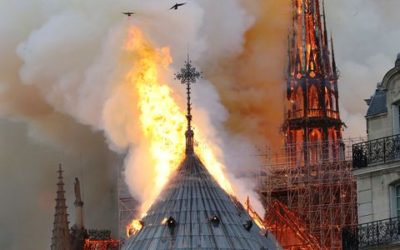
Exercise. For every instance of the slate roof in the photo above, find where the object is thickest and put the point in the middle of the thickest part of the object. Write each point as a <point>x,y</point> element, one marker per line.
<point>377,103</point>
<point>194,212</point>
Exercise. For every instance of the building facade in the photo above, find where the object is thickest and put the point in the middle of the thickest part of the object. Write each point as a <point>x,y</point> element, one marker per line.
<point>376,165</point>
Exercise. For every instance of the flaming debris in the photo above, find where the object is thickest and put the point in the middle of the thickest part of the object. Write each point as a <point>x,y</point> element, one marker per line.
<point>162,121</point>
<point>134,227</point>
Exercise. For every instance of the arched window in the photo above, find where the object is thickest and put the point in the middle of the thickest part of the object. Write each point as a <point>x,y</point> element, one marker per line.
<point>315,146</point>
<point>313,102</point>
<point>328,101</point>
<point>296,99</point>
<point>300,98</point>
<point>332,147</point>
<point>295,147</point>
<point>296,103</point>
<point>334,108</point>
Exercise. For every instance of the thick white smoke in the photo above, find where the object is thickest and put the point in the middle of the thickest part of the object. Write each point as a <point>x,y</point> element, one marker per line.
<point>72,60</point>
<point>366,36</point>
<point>61,57</point>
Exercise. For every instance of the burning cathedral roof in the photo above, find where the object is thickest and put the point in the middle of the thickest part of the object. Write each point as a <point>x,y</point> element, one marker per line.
<point>193,211</point>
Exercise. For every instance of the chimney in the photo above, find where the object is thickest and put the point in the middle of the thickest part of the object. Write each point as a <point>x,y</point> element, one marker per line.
<point>78,205</point>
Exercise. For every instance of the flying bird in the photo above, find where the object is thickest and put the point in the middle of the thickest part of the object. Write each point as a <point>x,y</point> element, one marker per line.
<point>128,13</point>
<point>176,6</point>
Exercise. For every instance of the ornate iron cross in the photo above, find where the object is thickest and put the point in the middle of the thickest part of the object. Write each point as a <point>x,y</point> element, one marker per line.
<point>188,75</point>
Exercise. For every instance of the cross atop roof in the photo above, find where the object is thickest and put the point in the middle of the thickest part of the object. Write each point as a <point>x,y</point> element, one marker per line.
<point>188,75</point>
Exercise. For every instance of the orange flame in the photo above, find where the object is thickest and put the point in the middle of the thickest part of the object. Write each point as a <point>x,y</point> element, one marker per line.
<point>162,121</point>
<point>134,227</point>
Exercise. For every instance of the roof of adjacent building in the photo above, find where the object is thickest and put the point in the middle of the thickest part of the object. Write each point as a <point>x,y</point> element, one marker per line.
<point>194,212</point>
<point>377,103</point>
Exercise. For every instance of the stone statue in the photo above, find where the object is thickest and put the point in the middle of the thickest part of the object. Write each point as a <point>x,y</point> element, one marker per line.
<point>77,188</point>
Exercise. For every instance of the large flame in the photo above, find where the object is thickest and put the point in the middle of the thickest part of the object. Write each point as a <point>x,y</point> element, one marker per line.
<point>162,121</point>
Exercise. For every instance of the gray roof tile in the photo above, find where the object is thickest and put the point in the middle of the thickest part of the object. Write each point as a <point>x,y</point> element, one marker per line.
<point>192,197</point>
<point>377,103</point>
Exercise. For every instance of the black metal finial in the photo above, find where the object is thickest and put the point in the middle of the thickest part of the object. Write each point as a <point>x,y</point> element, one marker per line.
<point>188,75</point>
<point>60,171</point>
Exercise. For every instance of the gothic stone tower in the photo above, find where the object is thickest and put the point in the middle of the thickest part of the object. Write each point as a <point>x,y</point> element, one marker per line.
<point>312,124</point>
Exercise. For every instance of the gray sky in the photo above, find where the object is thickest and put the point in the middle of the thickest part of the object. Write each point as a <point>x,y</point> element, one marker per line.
<point>367,40</point>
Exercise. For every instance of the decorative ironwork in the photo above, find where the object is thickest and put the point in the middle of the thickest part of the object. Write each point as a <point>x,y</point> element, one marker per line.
<point>311,113</point>
<point>188,75</point>
<point>379,151</point>
<point>376,233</point>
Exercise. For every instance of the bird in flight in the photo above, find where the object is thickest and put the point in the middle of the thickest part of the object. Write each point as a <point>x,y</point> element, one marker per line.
<point>128,13</point>
<point>176,6</point>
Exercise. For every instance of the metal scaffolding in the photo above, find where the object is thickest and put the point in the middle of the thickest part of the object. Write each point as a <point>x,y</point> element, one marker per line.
<point>321,192</point>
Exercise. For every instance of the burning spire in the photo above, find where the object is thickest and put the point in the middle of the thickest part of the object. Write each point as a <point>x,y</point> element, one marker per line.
<point>188,75</point>
<point>192,190</point>
<point>312,92</point>
<point>313,143</point>
<point>60,239</point>
<point>309,47</point>
<point>334,69</point>
<point>162,122</point>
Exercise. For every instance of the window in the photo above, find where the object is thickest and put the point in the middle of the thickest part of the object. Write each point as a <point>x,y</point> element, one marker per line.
<point>328,101</point>
<point>313,102</point>
<point>315,147</point>
<point>396,119</point>
<point>394,198</point>
<point>398,200</point>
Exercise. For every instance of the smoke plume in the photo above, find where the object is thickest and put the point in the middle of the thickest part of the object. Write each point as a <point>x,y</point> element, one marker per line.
<point>61,69</point>
<point>366,37</point>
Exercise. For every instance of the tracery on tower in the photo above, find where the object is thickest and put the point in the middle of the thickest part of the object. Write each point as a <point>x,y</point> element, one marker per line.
<point>312,109</point>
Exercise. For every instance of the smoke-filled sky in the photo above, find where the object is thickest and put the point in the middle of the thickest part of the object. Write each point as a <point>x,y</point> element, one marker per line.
<point>60,71</point>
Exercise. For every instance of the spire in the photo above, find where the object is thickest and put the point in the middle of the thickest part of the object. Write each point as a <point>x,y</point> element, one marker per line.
<point>334,69</point>
<point>289,55</point>
<point>60,239</point>
<point>325,29</point>
<point>188,75</point>
<point>309,36</point>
